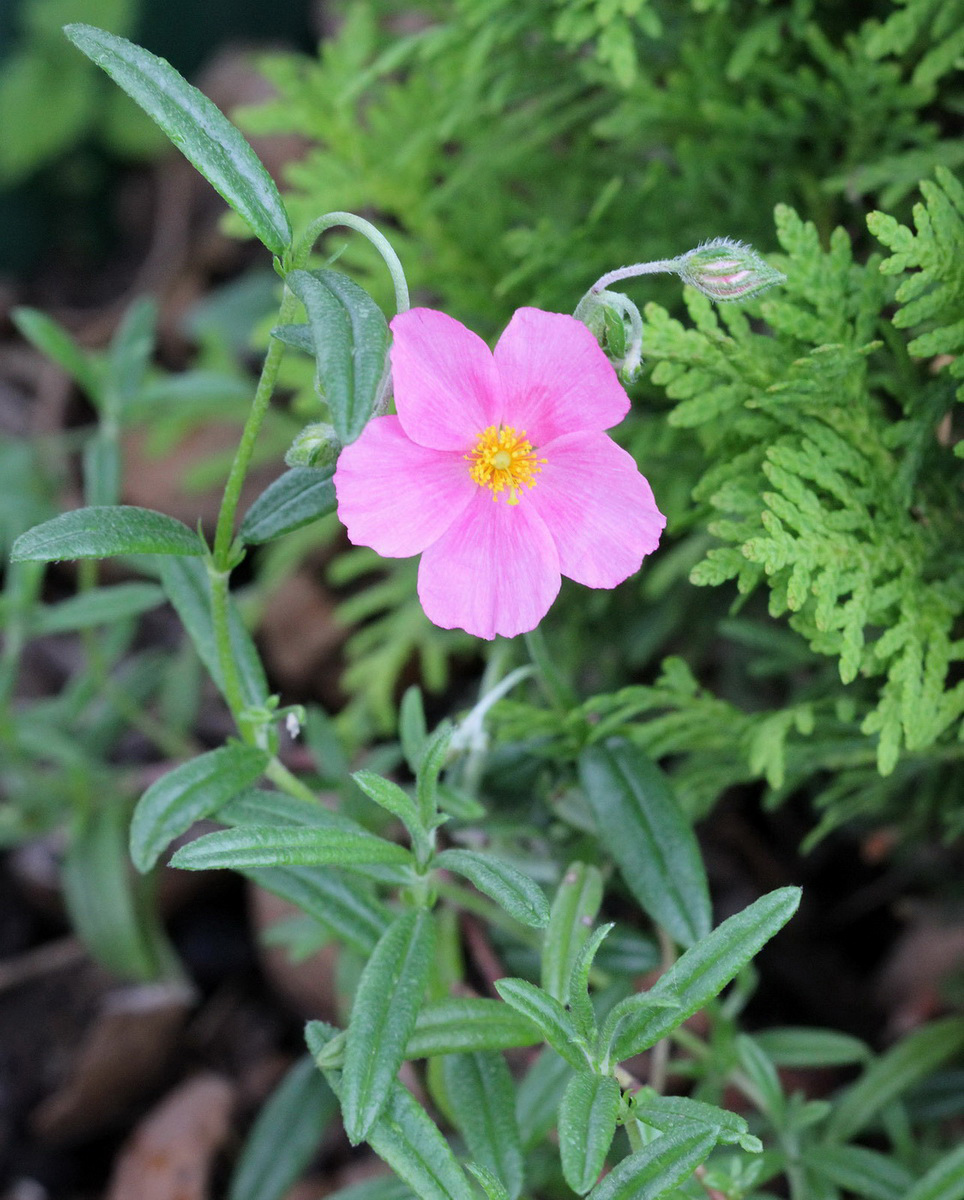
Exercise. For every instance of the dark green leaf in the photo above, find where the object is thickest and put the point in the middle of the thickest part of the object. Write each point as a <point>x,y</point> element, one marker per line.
<point>196,789</point>
<point>98,606</point>
<point>189,590</point>
<point>905,1064</point>
<point>295,1117</point>
<point>490,1183</point>
<point>658,1167</point>
<point>297,498</point>
<point>579,1000</point>
<point>350,337</point>
<point>515,892</point>
<point>944,1181</point>
<point>390,797</point>
<point>587,1125</point>
<point>284,846</point>
<point>644,829</point>
<point>539,1094</point>
<point>482,1093</point>
<point>298,337</point>
<point>867,1173</point>
<point>466,1023</point>
<point>383,1016</point>
<point>667,1113</point>
<point>549,1015</point>
<point>803,1047</point>
<point>706,968</point>
<point>574,909</point>
<point>196,126</point>
<point>103,531</point>
<point>341,904</point>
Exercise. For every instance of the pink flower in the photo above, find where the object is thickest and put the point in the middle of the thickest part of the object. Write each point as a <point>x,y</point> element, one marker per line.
<point>497,471</point>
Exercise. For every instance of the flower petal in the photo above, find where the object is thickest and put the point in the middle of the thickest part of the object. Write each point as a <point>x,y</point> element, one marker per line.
<point>396,496</point>
<point>494,570</point>
<point>555,377</point>
<point>445,381</point>
<point>599,509</point>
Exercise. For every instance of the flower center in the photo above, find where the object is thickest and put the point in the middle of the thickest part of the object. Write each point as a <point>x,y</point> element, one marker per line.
<point>504,460</point>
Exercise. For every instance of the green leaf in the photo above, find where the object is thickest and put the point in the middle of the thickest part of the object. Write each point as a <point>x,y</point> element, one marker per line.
<point>539,1094</point>
<point>103,531</point>
<point>350,337</point>
<point>867,1173</point>
<point>102,469</point>
<point>98,606</point>
<point>383,1016</point>
<point>130,352</point>
<point>658,1167</point>
<point>482,1094</point>
<point>574,909</point>
<point>667,1113</point>
<point>189,590</point>
<point>196,126</point>
<point>58,345</point>
<point>508,887</point>
<point>466,1023</point>
<point>284,846</point>
<point>101,897</point>
<point>196,789</point>
<point>412,729</point>
<point>706,968</point>
<point>803,1047</point>
<point>390,797</point>
<point>405,1136</point>
<point>579,1000</point>
<point>587,1125</point>
<point>340,904</point>
<point>295,1117</point>
<point>297,498</point>
<point>490,1184</point>
<point>644,829</point>
<point>944,1181</point>
<point>905,1064</point>
<point>549,1015</point>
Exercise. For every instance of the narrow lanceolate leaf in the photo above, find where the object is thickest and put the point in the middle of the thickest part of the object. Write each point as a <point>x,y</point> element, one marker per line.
<point>343,905</point>
<point>587,1125</point>
<point>944,1181</point>
<point>574,908</point>
<point>390,797</point>
<point>515,892</point>
<point>466,1023</point>
<point>667,1113</point>
<point>644,829</point>
<point>705,969</point>
<point>580,1002</point>
<point>196,126</point>
<point>297,498</point>
<point>295,1116</point>
<point>482,1094</point>
<point>286,846</point>
<point>658,1167</point>
<point>790,1046</point>
<point>383,1017</point>
<point>539,1094</point>
<point>98,606</point>
<point>404,1136</point>
<point>549,1015</point>
<point>191,791</point>
<point>350,337</point>
<point>103,531</point>
<point>489,1183</point>
<point>867,1173</point>
<point>188,589</point>
<point>912,1059</point>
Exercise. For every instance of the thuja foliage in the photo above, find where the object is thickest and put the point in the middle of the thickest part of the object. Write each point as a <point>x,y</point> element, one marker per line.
<point>810,459</point>
<point>543,847</point>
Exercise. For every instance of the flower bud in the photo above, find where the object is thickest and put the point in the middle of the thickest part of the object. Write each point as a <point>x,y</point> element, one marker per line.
<point>727,270</point>
<point>315,446</point>
<point>615,323</point>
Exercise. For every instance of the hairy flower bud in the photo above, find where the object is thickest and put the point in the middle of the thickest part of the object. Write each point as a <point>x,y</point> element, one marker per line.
<point>727,270</point>
<point>315,446</point>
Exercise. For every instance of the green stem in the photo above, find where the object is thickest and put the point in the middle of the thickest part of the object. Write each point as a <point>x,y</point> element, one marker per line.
<point>220,620</point>
<point>368,230</point>
<point>224,533</point>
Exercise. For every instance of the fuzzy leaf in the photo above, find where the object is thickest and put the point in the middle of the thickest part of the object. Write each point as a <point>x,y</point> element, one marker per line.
<point>463,1024</point>
<point>587,1125</point>
<point>297,498</point>
<point>196,126</point>
<point>284,846</point>
<point>103,531</point>
<point>98,606</point>
<point>508,887</point>
<point>574,908</point>
<point>658,1167</point>
<point>196,789</point>
<point>482,1095</point>
<point>549,1015</point>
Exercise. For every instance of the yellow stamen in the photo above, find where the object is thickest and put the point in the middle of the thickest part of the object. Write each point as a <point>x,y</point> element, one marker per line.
<point>504,460</point>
